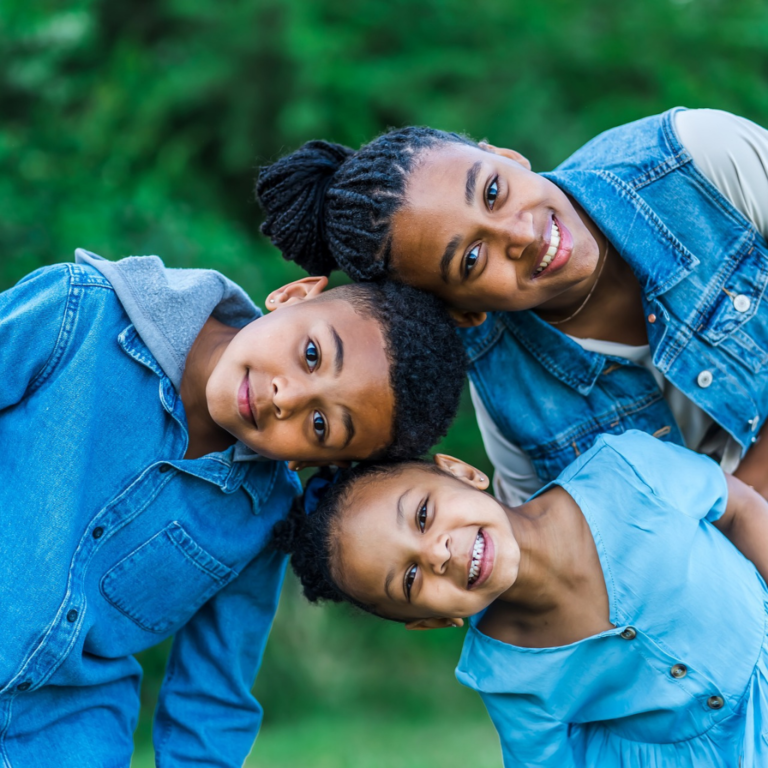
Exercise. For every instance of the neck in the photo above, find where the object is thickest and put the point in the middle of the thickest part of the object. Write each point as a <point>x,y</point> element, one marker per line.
<point>204,434</point>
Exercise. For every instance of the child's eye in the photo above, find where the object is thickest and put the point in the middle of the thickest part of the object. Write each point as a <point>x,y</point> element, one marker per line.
<point>318,425</point>
<point>471,259</point>
<point>311,355</point>
<point>492,193</point>
<point>421,517</point>
<point>410,577</point>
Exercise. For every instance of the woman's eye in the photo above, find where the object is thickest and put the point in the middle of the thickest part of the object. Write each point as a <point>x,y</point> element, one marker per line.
<point>471,259</point>
<point>492,193</point>
<point>318,425</point>
<point>311,355</point>
<point>410,577</point>
<point>421,517</point>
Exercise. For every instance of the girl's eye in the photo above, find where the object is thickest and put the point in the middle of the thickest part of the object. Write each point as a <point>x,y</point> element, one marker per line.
<point>421,517</point>
<point>318,424</point>
<point>471,259</point>
<point>311,355</point>
<point>410,577</point>
<point>492,193</point>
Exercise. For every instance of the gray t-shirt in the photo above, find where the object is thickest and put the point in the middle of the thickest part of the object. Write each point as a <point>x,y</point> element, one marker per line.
<point>732,153</point>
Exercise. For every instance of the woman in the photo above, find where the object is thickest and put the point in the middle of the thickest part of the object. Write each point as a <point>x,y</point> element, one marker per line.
<point>622,290</point>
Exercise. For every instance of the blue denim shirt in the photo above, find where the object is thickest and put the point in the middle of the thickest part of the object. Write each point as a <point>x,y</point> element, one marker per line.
<point>110,541</point>
<point>703,269</point>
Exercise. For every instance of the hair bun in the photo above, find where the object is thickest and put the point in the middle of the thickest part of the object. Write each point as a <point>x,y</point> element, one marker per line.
<point>292,193</point>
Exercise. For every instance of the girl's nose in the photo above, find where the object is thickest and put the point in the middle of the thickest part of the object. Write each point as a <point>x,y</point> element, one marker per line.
<point>438,553</point>
<point>517,233</point>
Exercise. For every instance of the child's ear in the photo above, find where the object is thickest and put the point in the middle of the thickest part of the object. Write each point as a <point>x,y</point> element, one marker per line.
<point>510,154</point>
<point>434,623</point>
<point>298,290</point>
<point>297,466</point>
<point>466,319</point>
<point>463,471</point>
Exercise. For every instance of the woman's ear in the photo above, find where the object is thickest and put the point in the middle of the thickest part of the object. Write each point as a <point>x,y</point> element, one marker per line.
<point>434,623</point>
<point>510,154</point>
<point>466,319</point>
<point>462,471</point>
<point>298,290</point>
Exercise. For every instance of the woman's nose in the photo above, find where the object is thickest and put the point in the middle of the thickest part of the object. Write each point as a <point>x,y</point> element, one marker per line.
<point>516,233</point>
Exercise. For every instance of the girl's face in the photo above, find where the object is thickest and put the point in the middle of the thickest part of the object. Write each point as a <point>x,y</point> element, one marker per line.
<point>484,233</point>
<point>424,546</point>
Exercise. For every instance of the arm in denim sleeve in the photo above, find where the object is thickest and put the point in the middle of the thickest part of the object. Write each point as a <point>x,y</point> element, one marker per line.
<point>32,315</point>
<point>207,715</point>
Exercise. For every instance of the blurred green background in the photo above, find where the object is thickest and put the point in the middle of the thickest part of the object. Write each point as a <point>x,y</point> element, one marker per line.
<point>137,127</point>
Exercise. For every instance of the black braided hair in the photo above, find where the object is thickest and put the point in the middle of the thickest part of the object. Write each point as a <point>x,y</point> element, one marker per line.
<point>312,540</point>
<point>426,359</point>
<point>329,207</point>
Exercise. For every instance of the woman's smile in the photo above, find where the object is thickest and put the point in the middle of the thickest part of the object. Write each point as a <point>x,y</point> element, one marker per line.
<point>555,250</point>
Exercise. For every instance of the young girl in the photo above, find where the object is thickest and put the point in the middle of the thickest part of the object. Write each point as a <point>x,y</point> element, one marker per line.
<point>624,289</point>
<point>143,414</point>
<point>616,619</point>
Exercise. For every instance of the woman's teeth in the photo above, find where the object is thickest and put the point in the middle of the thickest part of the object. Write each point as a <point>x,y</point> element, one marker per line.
<point>477,557</point>
<point>554,244</point>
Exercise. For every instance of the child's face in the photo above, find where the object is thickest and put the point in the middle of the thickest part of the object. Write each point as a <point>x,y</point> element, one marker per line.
<point>308,382</point>
<point>420,545</point>
<point>476,227</point>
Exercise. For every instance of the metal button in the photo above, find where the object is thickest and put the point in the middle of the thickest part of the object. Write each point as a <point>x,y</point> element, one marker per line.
<point>98,532</point>
<point>630,633</point>
<point>753,423</point>
<point>704,379</point>
<point>651,318</point>
<point>715,702</point>
<point>24,686</point>
<point>164,468</point>
<point>72,616</point>
<point>678,671</point>
<point>742,303</point>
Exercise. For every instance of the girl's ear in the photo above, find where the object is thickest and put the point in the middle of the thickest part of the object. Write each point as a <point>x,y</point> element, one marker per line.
<point>434,623</point>
<point>463,471</point>
<point>467,319</point>
<point>510,154</point>
<point>298,290</point>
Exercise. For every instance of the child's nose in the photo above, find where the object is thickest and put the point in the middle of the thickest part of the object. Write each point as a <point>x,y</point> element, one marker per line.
<point>439,553</point>
<point>516,233</point>
<point>288,396</point>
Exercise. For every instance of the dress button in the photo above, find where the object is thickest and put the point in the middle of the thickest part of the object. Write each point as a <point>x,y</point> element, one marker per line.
<point>72,616</point>
<point>678,671</point>
<point>715,702</point>
<point>630,633</point>
<point>164,468</point>
<point>24,686</point>
<point>742,303</point>
<point>651,318</point>
<point>98,532</point>
<point>704,379</point>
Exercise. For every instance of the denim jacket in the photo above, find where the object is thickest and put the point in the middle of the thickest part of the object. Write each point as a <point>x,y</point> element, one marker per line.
<point>110,541</point>
<point>702,268</point>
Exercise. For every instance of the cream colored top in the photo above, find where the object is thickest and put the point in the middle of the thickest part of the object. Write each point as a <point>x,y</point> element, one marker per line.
<point>732,152</point>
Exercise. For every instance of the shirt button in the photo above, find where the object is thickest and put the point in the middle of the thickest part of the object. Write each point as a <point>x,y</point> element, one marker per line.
<point>98,532</point>
<point>651,318</point>
<point>715,702</point>
<point>72,616</point>
<point>630,633</point>
<point>678,671</point>
<point>23,686</point>
<point>742,303</point>
<point>704,379</point>
<point>753,423</point>
<point>164,468</point>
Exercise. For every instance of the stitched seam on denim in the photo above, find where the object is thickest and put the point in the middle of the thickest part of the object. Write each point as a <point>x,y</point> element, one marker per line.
<point>263,498</point>
<point>478,349</point>
<point>660,170</point>
<point>228,574</point>
<point>8,710</point>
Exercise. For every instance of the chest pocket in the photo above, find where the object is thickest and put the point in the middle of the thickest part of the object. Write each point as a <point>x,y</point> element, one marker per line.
<point>161,584</point>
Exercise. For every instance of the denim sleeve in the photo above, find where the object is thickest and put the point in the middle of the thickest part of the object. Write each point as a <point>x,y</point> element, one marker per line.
<point>207,715</point>
<point>32,316</point>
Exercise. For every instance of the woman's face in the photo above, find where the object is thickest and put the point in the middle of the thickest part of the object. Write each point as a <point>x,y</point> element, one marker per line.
<point>484,233</point>
<point>419,544</point>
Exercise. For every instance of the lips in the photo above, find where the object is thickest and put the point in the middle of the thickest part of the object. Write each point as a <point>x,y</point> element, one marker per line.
<point>244,403</point>
<point>564,248</point>
<point>480,560</point>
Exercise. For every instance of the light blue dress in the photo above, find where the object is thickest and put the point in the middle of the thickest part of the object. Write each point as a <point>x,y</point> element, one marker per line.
<point>682,680</point>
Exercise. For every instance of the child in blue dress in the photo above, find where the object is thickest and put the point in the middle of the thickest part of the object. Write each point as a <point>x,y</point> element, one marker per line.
<point>618,617</point>
<point>145,416</point>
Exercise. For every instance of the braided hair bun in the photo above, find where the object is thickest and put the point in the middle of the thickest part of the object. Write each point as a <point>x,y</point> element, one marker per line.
<point>292,192</point>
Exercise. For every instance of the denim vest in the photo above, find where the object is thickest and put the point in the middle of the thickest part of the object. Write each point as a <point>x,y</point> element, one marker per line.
<point>702,268</point>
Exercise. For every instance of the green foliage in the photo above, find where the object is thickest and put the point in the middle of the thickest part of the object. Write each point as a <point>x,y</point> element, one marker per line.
<point>138,128</point>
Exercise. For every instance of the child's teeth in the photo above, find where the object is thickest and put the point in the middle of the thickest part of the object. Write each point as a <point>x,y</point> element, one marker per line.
<point>554,244</point>
<point>477,557</point>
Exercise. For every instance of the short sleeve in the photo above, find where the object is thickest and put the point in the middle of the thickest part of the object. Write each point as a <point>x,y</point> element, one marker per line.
<point>685,480</point>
